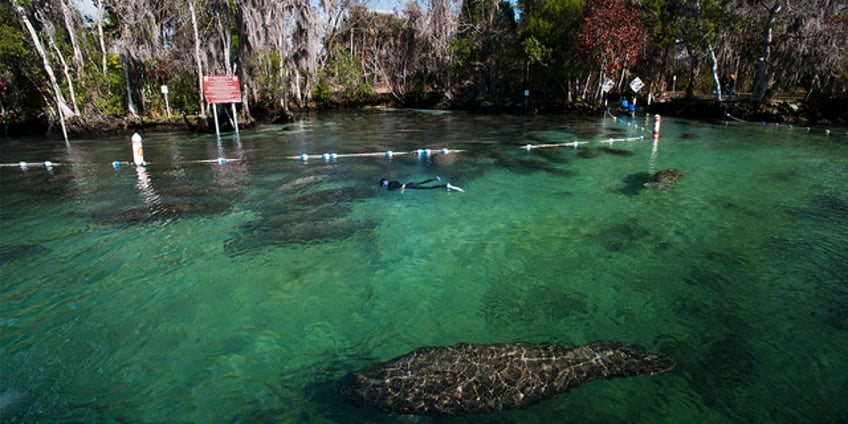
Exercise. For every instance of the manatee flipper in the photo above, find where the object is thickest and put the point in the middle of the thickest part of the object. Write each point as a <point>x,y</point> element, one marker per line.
<point>467,378</point>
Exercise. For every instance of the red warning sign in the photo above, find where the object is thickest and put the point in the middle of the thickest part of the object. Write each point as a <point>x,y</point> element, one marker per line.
<point>221,89</point>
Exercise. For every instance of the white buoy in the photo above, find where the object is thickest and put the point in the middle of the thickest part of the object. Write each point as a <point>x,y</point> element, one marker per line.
<point>23,165</point>
<point>48,164</point>
<point>657,121</point>
<point>528,147</point>
<point>138,150</point>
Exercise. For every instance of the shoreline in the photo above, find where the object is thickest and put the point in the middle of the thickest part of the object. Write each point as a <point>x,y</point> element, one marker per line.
<point>787,111</point>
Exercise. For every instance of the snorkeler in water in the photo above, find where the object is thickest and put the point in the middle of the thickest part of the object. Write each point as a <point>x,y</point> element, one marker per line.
<point>394,185</point>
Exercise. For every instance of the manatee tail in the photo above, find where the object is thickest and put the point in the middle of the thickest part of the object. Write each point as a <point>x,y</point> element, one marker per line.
<point>621,360</point>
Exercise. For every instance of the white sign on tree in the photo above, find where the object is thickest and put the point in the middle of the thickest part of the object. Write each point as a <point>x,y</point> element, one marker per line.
<point>607,85</point>
<point>636,85</point>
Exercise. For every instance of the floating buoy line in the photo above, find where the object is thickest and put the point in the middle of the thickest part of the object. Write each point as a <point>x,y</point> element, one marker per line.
<point>138,153</point>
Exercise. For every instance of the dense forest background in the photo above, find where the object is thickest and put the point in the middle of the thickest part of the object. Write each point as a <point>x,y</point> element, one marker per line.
<point>60,65</point>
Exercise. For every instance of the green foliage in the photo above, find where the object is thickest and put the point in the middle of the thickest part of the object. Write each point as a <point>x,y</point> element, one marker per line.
<point>534,50</point>
<point>113,101</point>
<point>321,93</point>
<point>19,70</point>
<point>342,80</point>
<point>461,50</point>
<point>549,24</point>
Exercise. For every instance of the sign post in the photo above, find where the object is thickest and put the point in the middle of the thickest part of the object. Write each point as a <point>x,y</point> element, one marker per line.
<point>222,89</point>
<point>164,89</point>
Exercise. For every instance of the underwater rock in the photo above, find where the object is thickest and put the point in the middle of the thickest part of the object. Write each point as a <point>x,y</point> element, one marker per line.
<point>468,378</point>
<point>665,179</point>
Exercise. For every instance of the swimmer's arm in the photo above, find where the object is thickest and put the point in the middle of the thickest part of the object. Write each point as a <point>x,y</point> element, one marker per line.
<point>453,187</point>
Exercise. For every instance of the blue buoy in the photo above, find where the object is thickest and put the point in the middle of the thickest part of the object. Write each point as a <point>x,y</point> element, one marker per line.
<point>528,147</point>
<point>333,156</point>
<point>444,150</point>
<point>389,153</point>
<point>763,123</point>
<point>790,126</point>
<point>304,157</point>
<point>326,156</point>
<point>222,161</point>
<point>116,165</point>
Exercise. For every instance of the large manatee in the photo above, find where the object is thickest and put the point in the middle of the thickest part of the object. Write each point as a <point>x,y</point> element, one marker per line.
<point>468,378</point>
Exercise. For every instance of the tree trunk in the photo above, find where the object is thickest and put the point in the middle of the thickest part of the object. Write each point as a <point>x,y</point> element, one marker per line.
<point>245,78</point>
<point>762,82</point>
<point>130,105</point>
<point>100,33</point>
<point>69,26</point>
<point>62,106</point>
<point>67,71</point>
<point>714,66</point>
<point>197,59</point>
<point>693,62</point>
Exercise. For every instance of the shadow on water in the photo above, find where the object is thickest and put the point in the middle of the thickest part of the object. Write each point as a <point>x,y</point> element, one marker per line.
<point>513,307</point>
<point>523,162</point>
<point>616,152</point>
<point>620,236</point>
<point>634,184</point>
<point>593,152</point>
<point>16,252</point>
<point>312,217</point>
<point>159,212</point>
<point>42,185</point>
<point>827,215</point>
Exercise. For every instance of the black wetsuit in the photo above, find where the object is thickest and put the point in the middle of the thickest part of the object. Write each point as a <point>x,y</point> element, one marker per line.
<point>394,185</point>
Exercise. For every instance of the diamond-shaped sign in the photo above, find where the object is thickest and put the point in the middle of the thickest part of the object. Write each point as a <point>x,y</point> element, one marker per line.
<point>607,85</point>
<point>636,85</point>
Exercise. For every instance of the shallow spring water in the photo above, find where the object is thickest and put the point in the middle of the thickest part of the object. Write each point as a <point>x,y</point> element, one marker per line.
<point>200,292</point>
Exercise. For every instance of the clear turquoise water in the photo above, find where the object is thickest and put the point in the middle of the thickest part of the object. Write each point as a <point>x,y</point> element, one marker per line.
<point>237,293</point>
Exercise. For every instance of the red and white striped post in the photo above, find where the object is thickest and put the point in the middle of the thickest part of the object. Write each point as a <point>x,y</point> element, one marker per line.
<point>657,120</point>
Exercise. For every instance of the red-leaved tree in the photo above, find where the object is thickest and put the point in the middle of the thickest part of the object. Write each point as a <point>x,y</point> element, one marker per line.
<point>612,35</point>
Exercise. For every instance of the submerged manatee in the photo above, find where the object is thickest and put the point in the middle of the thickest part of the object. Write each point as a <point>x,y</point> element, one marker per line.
<point>469,378</point>
<point>664,179</point>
